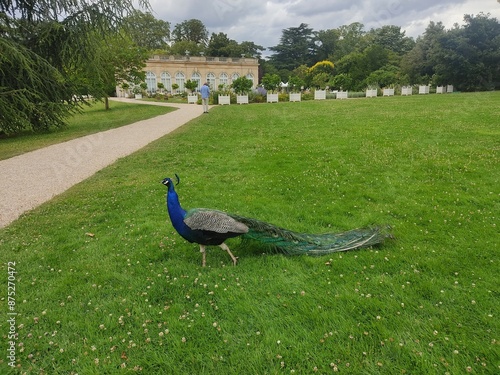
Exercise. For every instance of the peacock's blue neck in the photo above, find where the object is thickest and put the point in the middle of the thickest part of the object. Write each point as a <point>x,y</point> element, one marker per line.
<point>175,211</point>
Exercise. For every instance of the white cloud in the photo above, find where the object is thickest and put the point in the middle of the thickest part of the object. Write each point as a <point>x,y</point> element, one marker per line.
<point>262,21</point>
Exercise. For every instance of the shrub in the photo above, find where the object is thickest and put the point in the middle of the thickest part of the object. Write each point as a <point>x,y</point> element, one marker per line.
<point>283,97</point>
<point>308,96</point>
<point>256,97</point>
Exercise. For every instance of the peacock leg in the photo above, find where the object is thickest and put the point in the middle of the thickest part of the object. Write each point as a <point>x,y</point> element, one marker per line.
<point>224,247</point>
<point>203,255</point>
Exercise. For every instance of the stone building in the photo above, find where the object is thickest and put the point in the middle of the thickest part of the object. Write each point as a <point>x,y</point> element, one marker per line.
<point>214,70</point>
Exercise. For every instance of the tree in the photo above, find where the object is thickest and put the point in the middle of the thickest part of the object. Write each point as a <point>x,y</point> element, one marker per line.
<point>295,83</point>
<point>120,60</point>
<point>469,57</point>
<point>321,80</point>
<point>417,63</point>
<point>192,30</point>
<point>271,82</point>
<point>32,92</point>
<point>302,74</point>
<point>191,85</point>
<point>385,77</point>
<point>295,48</point>
<point>242,85</point>
<point>221,45</point>
<point>321,73</point>
<point>392,38</point>
<point>351,39</point>
<point>180,48</point>
<point>324,66</point>
<point>250,49</point>
<point>50,49</point>
<point>359,65</point>
<point>342,81</point>
<point>146,31</point>
<point>326,42</point>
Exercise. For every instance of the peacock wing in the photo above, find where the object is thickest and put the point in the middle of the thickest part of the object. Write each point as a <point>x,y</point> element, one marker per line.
<point>212,220</point>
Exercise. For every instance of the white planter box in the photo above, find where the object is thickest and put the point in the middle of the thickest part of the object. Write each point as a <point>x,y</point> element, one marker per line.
<point>371,93</point>
<point>342,95</point>
<point>406,90</point>
<point>138,96</point>
<point>440,90</point>
<point>192,99</point>
<point>388,92</point>
<point>319,94</point>
<point>224,99</point>
<point>272,98</point>
<point>449,88</point>
<point>242,99</point>
<point>423,89</point>
<point>295,97</point>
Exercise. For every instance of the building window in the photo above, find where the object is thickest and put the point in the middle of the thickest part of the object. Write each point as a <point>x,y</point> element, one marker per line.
<point>180,79</point>
<point>211,81</point>
<point>151,82</point>
<point>224,80</point>
<point>235,76</point>
<point>196,77</point>
<point>250,77</point>
<point>166,79</point>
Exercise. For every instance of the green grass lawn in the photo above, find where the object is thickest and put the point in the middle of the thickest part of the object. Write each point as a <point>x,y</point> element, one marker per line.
<point>104,285</point>
<point>93,119</point>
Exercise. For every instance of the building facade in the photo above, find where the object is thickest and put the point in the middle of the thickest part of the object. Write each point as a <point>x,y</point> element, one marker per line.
<point>216,71</point>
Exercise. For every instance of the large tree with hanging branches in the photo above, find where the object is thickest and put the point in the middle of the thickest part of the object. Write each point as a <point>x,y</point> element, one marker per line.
<point>51,57</point>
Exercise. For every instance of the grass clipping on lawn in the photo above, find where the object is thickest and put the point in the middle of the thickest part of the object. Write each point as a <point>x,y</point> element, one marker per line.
<point>105,285</point>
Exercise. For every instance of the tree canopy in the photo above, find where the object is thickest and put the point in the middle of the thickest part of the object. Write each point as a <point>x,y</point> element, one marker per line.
<point>146,31</point>
<point>49,57</point>
<point>465,56</point>
<point>192,30</point>
<point>295,48</point>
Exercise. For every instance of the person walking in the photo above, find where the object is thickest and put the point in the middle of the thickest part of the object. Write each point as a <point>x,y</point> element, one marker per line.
<point>205,93</point>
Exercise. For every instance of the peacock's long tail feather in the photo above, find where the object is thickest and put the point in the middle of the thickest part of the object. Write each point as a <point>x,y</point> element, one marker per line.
<point>293,243</point>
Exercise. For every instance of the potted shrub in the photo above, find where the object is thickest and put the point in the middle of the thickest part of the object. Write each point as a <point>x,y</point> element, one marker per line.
<point>144,87</point>
<point>271,83</point>
<point>371,92</point>
<point>296,85</point>
<point>242,85</point>
<point>137,91</point>
<point>319,94</point>
<point>191,86</point>
<point>224,97</point>
<point>389,91</point>
<point>406,90</point>
<point>125,87</point>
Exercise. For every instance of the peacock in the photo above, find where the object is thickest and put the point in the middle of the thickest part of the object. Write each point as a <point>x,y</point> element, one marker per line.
<point>208,227</point>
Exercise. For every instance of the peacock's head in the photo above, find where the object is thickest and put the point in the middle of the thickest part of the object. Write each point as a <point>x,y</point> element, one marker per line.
<point>167,181</point>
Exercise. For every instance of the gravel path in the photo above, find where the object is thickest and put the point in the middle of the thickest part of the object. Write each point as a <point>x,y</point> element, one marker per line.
<point>33,178</point>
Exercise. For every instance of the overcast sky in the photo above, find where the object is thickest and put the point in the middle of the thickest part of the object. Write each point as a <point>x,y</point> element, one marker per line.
<point>262,22</point>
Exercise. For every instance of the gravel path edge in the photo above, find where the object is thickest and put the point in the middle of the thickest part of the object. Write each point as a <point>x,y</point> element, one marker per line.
<point>35,177</point>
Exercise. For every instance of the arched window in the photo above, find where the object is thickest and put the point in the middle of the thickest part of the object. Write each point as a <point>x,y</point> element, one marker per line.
<point>166,79</point>
<point>151,82</point>
<point>211,81</point>
<point>224,80</point>
<point>196,77</point>
<point>250,77</point>
<point>180,79</point>
<point>235,76</point>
